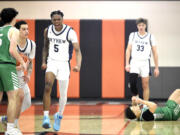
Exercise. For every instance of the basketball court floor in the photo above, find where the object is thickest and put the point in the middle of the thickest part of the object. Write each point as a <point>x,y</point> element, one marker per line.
<point>91,118</point>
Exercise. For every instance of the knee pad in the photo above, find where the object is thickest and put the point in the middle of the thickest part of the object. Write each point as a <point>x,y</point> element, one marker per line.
<point>133,83</point>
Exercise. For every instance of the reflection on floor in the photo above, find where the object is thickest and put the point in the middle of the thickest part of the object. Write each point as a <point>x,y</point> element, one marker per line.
<point>91,118</point>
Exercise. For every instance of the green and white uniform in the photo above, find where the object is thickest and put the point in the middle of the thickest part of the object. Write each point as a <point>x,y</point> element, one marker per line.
<point>8,75</point>
<point>170,112</point>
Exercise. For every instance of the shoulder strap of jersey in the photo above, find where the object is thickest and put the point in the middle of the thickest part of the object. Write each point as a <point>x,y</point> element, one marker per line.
<point>150,40</point>
<point>31,45</point>
<point>133,35</point>
<point>68,35</point>
<point>48,28</point>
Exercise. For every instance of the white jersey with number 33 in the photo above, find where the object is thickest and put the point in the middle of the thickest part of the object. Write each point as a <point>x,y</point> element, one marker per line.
<point>60,43</point>
<point>141,45</point>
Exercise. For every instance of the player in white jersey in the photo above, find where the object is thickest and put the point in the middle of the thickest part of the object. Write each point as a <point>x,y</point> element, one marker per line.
<point>139,49</point>
<point>59,41</point>
<point>28,48</point>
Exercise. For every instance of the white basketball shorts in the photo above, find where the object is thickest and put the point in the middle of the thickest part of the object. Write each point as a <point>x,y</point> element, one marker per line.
<point>141,67</point>
<point>61,69</point>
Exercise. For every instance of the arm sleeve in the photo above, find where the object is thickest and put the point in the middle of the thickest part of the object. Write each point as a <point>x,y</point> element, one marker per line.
<point>72,36</point>
<point>153,40</point>
<point>131,36</point>
<point>33,51</point>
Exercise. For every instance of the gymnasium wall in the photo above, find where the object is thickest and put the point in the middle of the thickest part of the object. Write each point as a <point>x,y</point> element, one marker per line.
<point>95,21</point>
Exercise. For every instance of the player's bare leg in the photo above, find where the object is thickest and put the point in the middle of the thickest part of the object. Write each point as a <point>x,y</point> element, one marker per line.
<point>175,96</point>
<point>11,108</point>
<point>145,86</point>
<point>11,105</point>
<point>49,80</point>
<point>1,95</point>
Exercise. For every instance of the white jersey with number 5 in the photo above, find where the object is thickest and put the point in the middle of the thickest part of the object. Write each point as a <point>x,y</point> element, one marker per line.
<point>60,43</point>
<point>141,45</point>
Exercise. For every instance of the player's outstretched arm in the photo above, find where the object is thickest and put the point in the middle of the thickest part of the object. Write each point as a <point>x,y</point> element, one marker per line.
<point>152,106</point>
<point>45,50</point>
<point>155,56</point>
<point>78,57</point>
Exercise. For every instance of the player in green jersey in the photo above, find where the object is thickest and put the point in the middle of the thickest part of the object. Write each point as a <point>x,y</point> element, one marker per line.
<point>9,37</point>
<point>150,110</point>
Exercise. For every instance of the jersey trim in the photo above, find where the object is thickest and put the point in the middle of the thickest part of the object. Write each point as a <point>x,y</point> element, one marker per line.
<point>60,32</point>
<point>23,50</point>
<point>68,35</point>
<point>70,45</point>
<point>133,36</point>
<point>150,40</point>
<point>31,45</point>
<point>142,37</point>
<point>150,72</point>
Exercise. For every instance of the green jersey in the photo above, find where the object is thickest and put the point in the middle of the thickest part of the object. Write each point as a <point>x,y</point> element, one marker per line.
<point>5,56</point>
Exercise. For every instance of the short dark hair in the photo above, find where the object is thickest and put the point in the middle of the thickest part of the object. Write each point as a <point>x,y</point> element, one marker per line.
<point>129,113</point>
<point>19,23</point>
<point>8,14</point>
<point>58,12</point>
<point>141,20</point>
<point>1,22</point>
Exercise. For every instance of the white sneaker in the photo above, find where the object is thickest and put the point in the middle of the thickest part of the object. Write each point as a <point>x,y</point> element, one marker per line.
<point>13,131</point>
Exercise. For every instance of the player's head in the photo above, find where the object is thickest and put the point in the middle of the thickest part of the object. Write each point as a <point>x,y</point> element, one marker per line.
<point>57,18</point>
<point>23,28</point>
<point>132,112</point>
<point>141,24</point>
<point>8,15</point>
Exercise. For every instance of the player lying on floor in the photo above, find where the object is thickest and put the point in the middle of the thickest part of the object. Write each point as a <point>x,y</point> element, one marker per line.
<point>150,111</point>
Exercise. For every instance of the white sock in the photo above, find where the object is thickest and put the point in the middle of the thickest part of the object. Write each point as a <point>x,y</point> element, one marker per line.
<point>10,126</point>
<point>63,87</point>
<point>46,113</point>
<point>16,122</point>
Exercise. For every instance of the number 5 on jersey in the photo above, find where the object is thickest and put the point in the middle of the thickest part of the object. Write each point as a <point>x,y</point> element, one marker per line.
<point>56,49</point>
